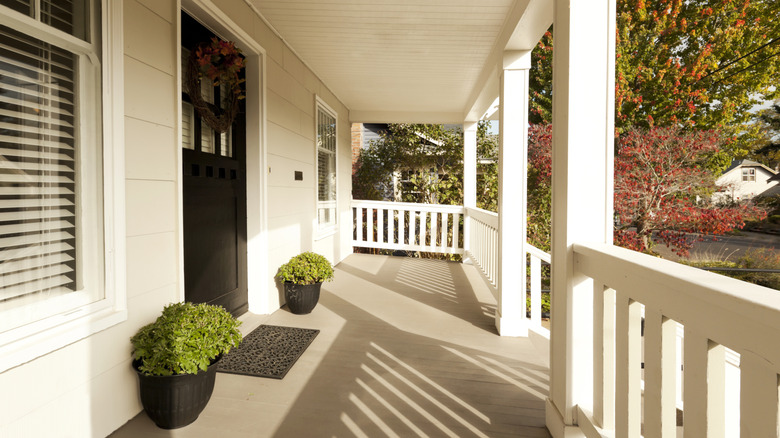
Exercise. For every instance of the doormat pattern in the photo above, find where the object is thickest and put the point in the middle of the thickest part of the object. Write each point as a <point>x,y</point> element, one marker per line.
<point>268,351</point>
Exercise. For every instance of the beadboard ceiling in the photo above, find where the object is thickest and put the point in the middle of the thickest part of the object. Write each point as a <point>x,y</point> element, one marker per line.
<point>408,60</point>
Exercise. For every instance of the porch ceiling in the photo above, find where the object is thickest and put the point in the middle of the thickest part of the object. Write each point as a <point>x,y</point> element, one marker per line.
<point>431,61</point>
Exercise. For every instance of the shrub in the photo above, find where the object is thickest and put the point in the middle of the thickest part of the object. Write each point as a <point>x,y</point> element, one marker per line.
<point>306,268</point>
<point>186,338</point>
<point>545,302</point>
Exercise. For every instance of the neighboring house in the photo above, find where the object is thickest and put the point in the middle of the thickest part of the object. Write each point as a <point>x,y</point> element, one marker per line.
<point>746,179</point>
<point>116,199</point>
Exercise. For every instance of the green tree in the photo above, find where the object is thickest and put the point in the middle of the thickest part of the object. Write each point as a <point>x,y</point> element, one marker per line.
<point>769,125</point>
<point>688,64</point>
<point>430,159</point>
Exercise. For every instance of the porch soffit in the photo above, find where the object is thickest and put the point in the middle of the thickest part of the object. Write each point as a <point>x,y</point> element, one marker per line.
<point>425,61</point>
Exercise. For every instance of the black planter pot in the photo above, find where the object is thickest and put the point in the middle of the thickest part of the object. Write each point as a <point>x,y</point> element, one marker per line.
<point>301,298</point>
<point>176,401</point>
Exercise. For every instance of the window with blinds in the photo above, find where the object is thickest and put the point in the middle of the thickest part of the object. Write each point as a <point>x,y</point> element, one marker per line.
<point>326,169</point>
<point>40,200</point>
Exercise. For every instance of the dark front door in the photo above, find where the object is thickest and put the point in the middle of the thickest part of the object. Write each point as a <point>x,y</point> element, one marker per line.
<point>214,195</point>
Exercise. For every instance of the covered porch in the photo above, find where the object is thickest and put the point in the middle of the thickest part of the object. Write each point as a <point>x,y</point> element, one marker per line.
<point>407,347</point>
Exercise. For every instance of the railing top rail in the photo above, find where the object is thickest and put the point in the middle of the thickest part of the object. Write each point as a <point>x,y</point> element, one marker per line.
<point>739,315</point>
<point>485,216</point>
<point>356,203</point>
<point>538,253</point>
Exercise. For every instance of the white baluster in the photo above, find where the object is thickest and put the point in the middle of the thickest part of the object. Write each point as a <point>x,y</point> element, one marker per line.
<point>758,397</point>
<point>604,356</point>
<point>704,387</point>
<point>423,228</point>
<point>380,227</point>
<point>359,217</point>
<point>627,368</point>
<point>536,291</point>
<point>660,375</point>
<point>391,226</point>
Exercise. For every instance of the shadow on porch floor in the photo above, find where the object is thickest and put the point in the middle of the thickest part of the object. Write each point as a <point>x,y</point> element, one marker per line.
<point>407,348</point>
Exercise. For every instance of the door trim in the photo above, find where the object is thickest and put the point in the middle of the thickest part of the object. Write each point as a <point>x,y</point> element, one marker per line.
<point>258,281</point>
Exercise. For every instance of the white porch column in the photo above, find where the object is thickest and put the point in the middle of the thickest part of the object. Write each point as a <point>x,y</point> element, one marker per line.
<point>583,138</point>
<point>512,181</point>
<point>469,182</point>
<point>470,164</point>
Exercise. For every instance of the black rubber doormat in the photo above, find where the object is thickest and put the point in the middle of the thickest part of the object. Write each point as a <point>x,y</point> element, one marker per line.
<point>268,351</point>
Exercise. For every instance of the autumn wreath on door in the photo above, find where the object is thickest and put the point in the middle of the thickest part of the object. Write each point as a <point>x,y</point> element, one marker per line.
<point>221,62</point>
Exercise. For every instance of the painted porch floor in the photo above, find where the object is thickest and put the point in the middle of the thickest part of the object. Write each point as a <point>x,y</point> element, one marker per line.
<point>407,347</point>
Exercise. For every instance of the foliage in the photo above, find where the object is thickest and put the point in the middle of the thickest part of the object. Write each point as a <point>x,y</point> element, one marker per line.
<point>429,157</point>
<point>763,258</point>
<point>540,82</point>
<point>658,175</point>
<point>661,188</point>
<point>221,62</point>
<point>185,338</point>
<point>487,168</point>
<point>539,185</point>
<point>545,302</point>
<point>691,64</point>
<point>769,124</point>
<point>306,268</point>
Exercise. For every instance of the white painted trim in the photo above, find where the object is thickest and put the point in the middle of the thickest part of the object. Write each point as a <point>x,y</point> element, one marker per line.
<point>40,338</point>
<point>323,232</point>
<point>555,424</point>
<point>258,282</point>
<point>362,116</point>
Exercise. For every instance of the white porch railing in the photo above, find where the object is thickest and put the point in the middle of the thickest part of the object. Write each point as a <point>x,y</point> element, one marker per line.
<point>717,314</point>
<point>439,229</point>
<point>408,226</point>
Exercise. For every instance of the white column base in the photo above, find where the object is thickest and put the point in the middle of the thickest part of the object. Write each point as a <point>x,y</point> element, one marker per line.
<point>555,424</point>
<point>515,325</point>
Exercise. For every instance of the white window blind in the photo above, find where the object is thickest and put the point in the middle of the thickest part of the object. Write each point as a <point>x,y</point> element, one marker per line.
<point>38,171</point>
<point>326,169</point>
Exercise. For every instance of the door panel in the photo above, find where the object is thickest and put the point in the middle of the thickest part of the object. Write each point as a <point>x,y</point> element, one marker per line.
<point>214,198</point>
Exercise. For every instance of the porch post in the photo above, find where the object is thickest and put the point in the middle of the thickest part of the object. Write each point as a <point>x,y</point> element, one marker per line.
<point>470,164</point>
<point>583,141</point>
<point>512,176</point>
<point>469,182</point>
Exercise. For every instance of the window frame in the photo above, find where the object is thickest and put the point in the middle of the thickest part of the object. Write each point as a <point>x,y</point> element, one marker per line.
<point>101,150</point>
<point>329,229</point>
<point>748,174</point>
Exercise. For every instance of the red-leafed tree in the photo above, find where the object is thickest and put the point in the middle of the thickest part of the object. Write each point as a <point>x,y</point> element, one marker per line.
<point>662,190</point>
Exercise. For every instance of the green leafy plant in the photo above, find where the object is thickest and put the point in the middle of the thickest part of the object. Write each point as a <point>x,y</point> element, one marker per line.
<point>306,268</point>
<point>545,302</point>
<point>185,338</point>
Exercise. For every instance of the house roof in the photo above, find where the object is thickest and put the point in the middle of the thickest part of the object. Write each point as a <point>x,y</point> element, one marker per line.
<point>411,61</point>
<point>750,163</point>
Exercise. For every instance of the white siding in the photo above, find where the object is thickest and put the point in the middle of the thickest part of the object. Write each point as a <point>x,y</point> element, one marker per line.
<point>88,388</point>
<point>746,189</point>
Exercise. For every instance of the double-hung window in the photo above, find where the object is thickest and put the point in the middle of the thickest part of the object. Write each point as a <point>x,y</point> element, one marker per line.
<point>326,169</point>
<point>52,223</point>
<point>748,174</point>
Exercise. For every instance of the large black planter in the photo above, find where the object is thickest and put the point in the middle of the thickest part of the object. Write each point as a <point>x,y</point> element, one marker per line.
<point>301,298</point>
<point>176,401</point>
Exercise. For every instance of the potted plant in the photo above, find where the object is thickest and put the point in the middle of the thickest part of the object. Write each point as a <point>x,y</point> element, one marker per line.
<point>302,278</point>
<point>176,358</point>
